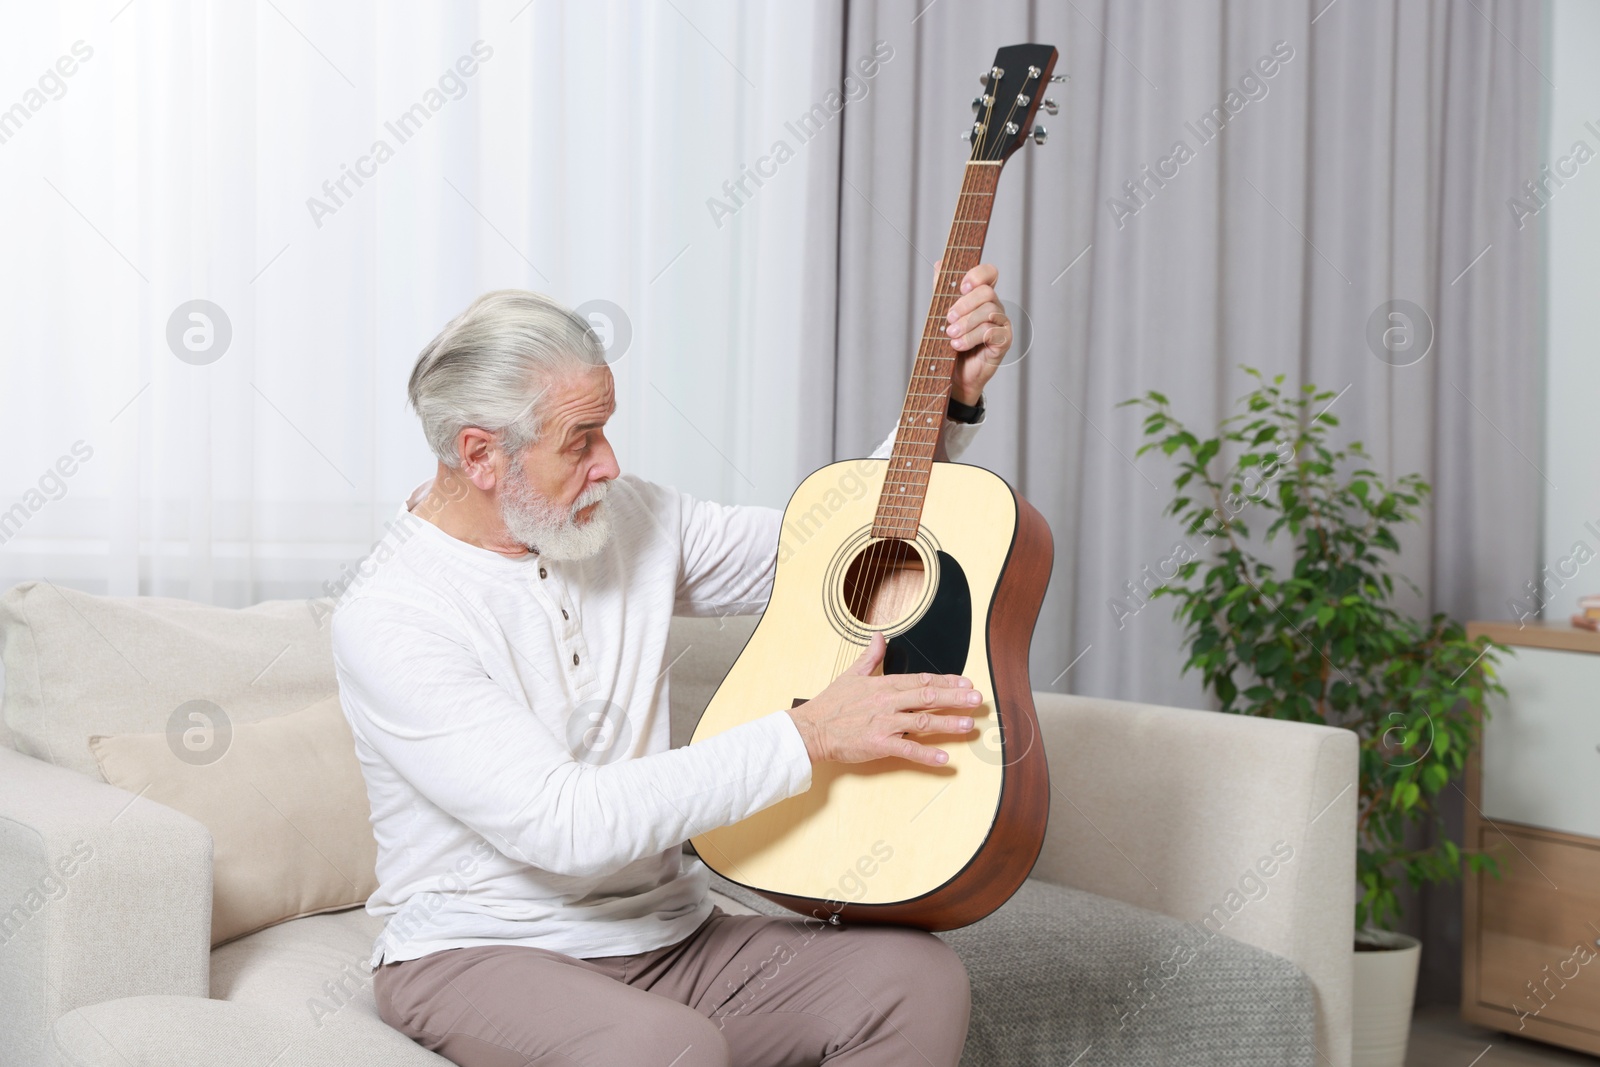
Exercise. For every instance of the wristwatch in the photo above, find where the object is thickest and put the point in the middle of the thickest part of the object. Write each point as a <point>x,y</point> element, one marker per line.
<point>967,413</point>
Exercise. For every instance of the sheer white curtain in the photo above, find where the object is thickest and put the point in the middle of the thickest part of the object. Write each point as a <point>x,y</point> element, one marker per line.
<point>340,180</point>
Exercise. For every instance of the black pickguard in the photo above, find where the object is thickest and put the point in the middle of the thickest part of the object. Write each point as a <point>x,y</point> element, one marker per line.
<point>939,641</point>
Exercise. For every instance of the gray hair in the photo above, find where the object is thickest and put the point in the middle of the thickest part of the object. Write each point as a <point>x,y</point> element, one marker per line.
<point>492,365</point>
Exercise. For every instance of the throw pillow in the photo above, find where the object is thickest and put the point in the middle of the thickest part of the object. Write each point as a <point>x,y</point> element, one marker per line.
<point>284,800</point>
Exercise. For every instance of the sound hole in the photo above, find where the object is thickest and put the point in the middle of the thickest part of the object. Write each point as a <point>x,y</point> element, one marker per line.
<point>884,583</point>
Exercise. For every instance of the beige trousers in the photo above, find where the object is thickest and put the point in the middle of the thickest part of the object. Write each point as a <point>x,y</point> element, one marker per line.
<point>747,990</point>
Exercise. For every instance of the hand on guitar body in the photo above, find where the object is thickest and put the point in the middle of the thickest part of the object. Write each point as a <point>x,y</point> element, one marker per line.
<point>863,716</point>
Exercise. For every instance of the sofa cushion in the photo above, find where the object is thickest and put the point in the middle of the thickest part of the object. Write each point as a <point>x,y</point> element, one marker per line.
<point>284,800</point>
<point>78,664</point>
<point>1055,971</point>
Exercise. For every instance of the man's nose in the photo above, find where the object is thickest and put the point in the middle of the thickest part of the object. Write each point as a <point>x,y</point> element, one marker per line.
<point>607,468</point>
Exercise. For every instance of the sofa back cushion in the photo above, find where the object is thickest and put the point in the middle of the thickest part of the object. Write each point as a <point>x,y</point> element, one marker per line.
<point>77,664</point>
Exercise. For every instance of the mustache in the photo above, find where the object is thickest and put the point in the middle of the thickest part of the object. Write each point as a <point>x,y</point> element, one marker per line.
<point>592,495</point>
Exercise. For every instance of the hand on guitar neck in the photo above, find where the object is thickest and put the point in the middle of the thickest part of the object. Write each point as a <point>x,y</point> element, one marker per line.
<point>978,329</point>
<point>863,716</point>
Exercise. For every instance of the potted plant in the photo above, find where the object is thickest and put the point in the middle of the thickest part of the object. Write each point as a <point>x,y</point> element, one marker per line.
<point>1318,639</point>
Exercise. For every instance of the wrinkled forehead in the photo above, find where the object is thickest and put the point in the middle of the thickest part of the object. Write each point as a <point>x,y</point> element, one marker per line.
<point>582,400</point>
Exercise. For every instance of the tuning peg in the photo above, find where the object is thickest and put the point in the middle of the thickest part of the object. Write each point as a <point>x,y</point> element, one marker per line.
<point>1060,79</point>
<point>1039,135</point>
<point>993,74</point>
<point>966,135</point>
<point>1050,106</point>
<point>981,102</point>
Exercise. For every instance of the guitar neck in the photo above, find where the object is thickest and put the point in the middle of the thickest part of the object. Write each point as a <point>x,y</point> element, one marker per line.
<point>905,485</point>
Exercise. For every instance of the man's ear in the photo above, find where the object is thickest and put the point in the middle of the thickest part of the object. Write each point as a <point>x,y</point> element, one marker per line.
<point>478,448</point>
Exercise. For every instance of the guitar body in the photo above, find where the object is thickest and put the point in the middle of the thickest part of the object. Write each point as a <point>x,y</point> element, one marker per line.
<point>891,841</point>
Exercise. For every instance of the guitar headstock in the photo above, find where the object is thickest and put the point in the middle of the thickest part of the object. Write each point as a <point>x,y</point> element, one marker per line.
<point>1013,92</point>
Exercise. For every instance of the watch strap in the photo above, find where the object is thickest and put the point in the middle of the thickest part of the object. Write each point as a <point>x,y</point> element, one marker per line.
<point>966,413</point>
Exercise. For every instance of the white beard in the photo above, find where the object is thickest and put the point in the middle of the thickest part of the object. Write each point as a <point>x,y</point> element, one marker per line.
<point>552,529</point>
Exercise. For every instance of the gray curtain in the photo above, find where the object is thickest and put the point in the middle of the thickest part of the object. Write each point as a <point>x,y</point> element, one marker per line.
<point>1373,165</point>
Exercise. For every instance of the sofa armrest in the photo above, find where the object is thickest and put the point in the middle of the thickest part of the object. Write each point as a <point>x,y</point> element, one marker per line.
<point>104,895</point>
<point>1246,826</point>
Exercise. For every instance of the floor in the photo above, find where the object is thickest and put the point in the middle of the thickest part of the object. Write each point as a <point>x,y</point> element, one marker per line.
<point>1440,1039</point>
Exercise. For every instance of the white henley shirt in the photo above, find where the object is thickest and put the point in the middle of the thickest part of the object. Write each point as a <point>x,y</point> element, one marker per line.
<point>511,720</point>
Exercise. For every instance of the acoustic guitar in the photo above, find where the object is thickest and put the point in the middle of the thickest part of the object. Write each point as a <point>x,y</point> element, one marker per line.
<point>949,563</point>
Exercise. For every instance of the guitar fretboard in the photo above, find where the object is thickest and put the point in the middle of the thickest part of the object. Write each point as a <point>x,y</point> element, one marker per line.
<point>922,418</point>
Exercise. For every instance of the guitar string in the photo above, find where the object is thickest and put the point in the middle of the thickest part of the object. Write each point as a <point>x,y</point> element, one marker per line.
<point>890,558</point>
<point>887,558</point>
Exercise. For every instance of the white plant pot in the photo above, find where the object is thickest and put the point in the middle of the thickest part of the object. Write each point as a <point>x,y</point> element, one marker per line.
<point>1385,987</point>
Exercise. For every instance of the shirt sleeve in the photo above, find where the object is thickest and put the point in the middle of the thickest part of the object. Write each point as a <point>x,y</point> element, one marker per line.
<point>730,557</point>
<point>419,696</point>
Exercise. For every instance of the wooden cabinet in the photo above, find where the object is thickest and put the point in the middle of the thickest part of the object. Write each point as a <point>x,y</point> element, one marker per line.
<point>1531,938</point>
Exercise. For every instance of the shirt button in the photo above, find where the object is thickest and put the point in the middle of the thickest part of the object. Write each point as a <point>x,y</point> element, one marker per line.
<point>574,659</point>
<point>563,613</point>
<point>543,573</point>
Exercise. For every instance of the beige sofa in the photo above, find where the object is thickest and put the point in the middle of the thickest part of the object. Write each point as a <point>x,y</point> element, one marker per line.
<point>1159,818</point>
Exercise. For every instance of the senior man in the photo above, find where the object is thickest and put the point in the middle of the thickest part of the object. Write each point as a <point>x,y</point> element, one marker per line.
<point>539,906</point>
